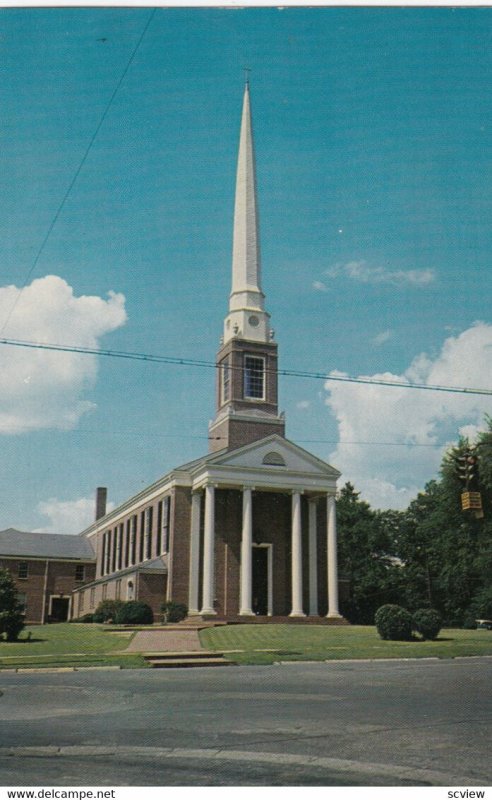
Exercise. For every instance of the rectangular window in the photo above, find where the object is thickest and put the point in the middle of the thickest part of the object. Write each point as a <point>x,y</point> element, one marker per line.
<point>108,552</point>
<point>142,532</point>
<point>119,551</point>
<point>126,561</point>
<point>22,601</point>
<point>105,591</point>
<point>133,540</point>
<point>225,385</point>
<point>92,598</point>
<point>81,601</point>
<point>23,570</point>
<point>254,377</point>
<point>166,507</point>
<point>158,541</point>
<point>117,591</point>
<point>103,555</point>
<point>148,532</point>
<point>113,550</point>
<point>79,572</point>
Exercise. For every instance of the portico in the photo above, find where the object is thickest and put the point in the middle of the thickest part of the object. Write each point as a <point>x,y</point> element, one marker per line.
<point>296,579</point>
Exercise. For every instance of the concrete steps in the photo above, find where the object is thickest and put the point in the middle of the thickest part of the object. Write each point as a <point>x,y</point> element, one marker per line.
<point>194,658</point>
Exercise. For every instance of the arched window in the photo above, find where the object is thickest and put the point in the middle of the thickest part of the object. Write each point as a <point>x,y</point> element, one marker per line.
<point>274,459</point>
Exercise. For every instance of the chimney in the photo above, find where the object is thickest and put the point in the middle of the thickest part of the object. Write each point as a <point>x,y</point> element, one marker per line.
<point>101,497</point>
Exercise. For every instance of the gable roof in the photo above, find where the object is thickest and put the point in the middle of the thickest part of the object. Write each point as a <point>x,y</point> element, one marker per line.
<point>273,452</point>
<point>44,545</point>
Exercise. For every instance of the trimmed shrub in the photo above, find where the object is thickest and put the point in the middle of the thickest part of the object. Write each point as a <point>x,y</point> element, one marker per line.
<point>393,623</point>
<point>85,618</point>
<point>134,612</point>
<point>174,612</point>
<point>11,624</point>
<point>427,622</point>
<point>11,615</point>
<point>107,610</point>
<point>470,624</point>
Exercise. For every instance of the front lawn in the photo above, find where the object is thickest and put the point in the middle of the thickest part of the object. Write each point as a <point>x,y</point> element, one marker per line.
<point>72,645</point>
<point>68,644</point>
<point>266,644</point>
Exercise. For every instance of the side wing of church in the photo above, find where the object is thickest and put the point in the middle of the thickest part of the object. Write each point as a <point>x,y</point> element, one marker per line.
<point>249,530</point>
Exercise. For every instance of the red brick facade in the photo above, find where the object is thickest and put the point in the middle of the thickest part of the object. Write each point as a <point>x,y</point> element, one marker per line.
<point>47,583</point>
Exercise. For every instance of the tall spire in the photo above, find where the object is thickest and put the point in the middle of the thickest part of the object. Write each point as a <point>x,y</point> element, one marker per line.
<point>246,248</point>
<point>247,375</point>
<point>247,317</point>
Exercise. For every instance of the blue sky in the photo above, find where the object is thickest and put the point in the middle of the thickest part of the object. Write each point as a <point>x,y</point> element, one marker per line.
<point>372,130</point>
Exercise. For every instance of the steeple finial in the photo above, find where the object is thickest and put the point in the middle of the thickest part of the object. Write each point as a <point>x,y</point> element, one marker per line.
<point>246,70</point>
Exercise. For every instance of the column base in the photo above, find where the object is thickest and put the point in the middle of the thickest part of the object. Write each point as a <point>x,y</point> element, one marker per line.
<point>247,612</point>
<point>297,614</point>
<point>194,612</point>
<point>208,611</point>
<point>333,615</point>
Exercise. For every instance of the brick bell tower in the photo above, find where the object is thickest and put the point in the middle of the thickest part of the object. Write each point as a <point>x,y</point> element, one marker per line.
<point>247,379</point>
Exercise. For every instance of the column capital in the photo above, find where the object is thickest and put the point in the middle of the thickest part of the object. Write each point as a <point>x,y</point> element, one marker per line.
<point>297,491</point>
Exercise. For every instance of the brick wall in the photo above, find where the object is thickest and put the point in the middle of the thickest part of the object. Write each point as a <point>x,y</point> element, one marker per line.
<point>59,579</point>
<point>179,568</point>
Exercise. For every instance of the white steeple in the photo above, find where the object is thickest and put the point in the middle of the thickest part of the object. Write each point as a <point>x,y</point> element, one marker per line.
<point>247,318</point>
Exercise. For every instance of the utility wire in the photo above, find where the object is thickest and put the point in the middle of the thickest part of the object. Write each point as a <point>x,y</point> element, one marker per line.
<point>160,435</point>
<point>193,362</point>
<point>77,171</point>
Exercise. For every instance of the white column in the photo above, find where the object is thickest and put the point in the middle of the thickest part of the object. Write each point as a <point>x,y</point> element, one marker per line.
<point>332,559</point>
<point>208,552</point>
<point>296,557</point>
<point>313,560</point>
<point>196,501</point>
<point>247,554</point>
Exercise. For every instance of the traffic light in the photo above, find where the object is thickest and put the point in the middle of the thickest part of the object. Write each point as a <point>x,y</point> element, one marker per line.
<point>467,467</point>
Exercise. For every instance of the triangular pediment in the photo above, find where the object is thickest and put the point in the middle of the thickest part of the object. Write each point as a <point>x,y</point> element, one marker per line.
<point>274,453</point>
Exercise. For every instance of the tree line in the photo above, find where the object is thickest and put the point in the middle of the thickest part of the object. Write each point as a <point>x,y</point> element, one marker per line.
<point>432,555</point>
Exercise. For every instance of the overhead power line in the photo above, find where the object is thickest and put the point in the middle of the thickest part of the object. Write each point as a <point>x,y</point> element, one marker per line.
<point>77,172</point>
<point>194,362</point>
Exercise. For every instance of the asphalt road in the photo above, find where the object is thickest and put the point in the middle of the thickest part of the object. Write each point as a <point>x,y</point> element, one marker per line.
<point>358,724</point>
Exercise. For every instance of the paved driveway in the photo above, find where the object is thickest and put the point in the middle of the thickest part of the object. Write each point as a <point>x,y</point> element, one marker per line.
<point>378,723</point>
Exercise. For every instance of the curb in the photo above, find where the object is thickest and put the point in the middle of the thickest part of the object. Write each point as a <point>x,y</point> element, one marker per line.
<point>401,772</point>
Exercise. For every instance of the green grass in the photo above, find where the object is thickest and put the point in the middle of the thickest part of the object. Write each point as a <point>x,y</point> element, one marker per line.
<point>67,645</point>
<point>265,644</point>
<point>71,645</point>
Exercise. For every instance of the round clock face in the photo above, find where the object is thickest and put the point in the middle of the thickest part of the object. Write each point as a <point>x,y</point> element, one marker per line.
<point>254,321</point>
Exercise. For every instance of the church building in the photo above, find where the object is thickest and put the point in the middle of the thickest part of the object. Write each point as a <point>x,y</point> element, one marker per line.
<point>248,531</point>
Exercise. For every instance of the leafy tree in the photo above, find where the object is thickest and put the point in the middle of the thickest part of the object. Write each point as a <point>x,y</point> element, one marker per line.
<point>11,617</point>
<point>365,552</point>
<point>447,551</point>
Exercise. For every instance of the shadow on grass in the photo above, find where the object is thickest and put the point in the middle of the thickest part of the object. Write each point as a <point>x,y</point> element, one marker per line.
<point>289,652</point>
<point>31,640</point>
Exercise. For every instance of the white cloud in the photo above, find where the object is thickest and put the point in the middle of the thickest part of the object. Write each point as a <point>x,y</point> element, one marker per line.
<point>388,475</point>
<point>303,404</point>
<point>68,516</point>
<point>363,273</point>
<point>382,337</point>
<point>320,286</point>
<point>47,389</point>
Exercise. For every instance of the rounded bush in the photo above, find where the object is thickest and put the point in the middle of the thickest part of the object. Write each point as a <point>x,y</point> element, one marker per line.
<point>11,624</point>
<point>86,618</point>
<point>174,612</point>
<point>393,623</point>
<point>427,622</point>
<point>107,610</point>
<point>134,612</point>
